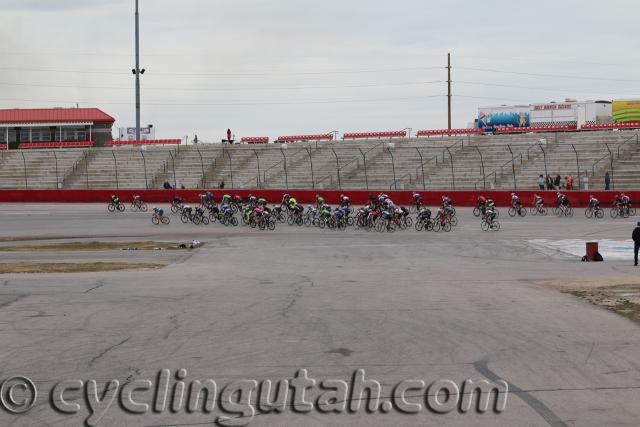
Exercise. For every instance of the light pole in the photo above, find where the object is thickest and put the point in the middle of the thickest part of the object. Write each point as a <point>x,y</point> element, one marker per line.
<point>137,72</point>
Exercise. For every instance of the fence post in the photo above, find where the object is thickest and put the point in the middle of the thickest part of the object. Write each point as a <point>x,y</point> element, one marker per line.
<point>393,168</point>
<point>173,166</point>
<point>56,159</point>
<point>204,176</point>
<point>613,182</point>
<point>144,163</point>
<point>86,167</point>
<point>115,164</point>
<point>258,160</point>
<point>286,175</point>
<point>230,166</point>
<point>484,178</point>
<point>364,162</point>
<point>577,164</point>
<point>513,168</point>
<point>424,185</point>
<point>544,155</point>
<point>453,175</point>
<point>313,183</point>
<point>337,168</point>
<point>24,162</point>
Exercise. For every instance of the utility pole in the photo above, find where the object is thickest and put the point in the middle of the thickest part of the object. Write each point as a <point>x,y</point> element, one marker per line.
<point>449,89</point>
<point>137,73</point>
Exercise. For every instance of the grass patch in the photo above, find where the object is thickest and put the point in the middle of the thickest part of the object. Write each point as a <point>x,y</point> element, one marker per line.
<point>622,299</point>
<point>73,267</point>
<point>90,246</point>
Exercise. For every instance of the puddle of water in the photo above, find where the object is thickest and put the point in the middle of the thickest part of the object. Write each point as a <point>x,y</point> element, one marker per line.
<point>610,249</point>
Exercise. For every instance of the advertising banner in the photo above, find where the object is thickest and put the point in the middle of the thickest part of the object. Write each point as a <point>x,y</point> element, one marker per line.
<point>626,111</point>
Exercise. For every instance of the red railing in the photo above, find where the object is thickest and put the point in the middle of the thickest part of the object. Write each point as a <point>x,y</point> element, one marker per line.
<point>436,132</point>
<point>65,144</point>
<point>526,129</point>
<point>367,135</point>
<point>605,126</point>
<point>145,142</point>
<point>255,139</point>
<point>319,137</point>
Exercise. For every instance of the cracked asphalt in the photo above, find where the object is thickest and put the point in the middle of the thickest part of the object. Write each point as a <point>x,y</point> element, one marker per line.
<point>262,305</point>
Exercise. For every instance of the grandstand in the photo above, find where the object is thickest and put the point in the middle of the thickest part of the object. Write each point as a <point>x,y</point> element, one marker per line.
<point>472,161</point>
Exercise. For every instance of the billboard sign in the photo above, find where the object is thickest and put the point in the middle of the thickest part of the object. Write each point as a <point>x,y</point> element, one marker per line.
<point>503,116</point>
<point>146,133</point>
<point>625,111</point>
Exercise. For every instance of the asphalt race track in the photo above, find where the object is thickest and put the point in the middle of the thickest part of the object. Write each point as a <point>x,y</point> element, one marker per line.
<point>255,305</point>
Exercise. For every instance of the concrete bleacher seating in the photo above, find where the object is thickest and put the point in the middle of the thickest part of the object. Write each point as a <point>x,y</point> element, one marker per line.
<point>438,132</point>
<point>143,142</point>
<point>378,164</point>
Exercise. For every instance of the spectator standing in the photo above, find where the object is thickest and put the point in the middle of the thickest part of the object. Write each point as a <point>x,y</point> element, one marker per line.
<point>607,181</point>
<point>557,182</point>
<point>569,182</point>
<point>636,243</point>
<point>166,185</point>
<point>229,136</point>
<point>549,182</point>
<point>541,182</point>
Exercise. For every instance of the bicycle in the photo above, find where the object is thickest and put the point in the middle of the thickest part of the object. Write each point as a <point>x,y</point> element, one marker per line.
<point>489,224</point>
<point>564,210</point>
<point>116,207</point>
<point>138,206</point>
<point>594,212</point>
<point>157,219</point>
<point>517,210</point>
<point>538,210</point>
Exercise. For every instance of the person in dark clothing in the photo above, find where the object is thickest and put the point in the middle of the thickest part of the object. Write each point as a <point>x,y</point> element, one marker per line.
<point>229,136</point>
<point>549,182</point>
<point>607,181</point>
<point>166,185</point>
<point>557,182</point>
<point>636,243</point>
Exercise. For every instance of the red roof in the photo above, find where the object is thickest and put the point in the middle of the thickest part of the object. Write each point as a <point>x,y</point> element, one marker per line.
<point>55,115</point>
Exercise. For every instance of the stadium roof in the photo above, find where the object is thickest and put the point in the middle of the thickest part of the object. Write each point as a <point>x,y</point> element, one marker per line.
<point>55,115</point>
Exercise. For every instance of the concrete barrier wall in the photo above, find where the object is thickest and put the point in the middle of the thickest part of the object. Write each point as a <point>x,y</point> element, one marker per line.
<point>432,198</point>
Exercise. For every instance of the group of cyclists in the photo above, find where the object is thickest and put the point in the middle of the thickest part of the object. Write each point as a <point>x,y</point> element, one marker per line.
<point>379,213</point>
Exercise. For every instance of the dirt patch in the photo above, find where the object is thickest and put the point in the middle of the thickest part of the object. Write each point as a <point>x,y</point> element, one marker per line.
<point>624,299</point>
<point>92,246</point>
<point>73,267</point>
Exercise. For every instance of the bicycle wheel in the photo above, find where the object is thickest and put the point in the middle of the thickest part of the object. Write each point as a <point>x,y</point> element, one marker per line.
<point>299,221</point>
<point>484,225</point>
<point>588,213</point>
<point>253,223</point>
<point>419,225</point>
<point>435,226</point>
<point>166,220</point>
<point>495,226</point>
<point>350,221</point>
<point>599,213</point>
<point>391,227</point>
<point>533,211</point>
<point>174,208</point>
<point>205,220</point>
<point>143,207</point>
<point>184,218</point>
<point>307,221</point>
<point>155,220</point>
<point>196,220</point>
<point>408,221</point>
<point>429,226</point>
<point>632,211</point>
<point>133,207</point>
<point>290,220</point>
<point>121,207</point>
<point>512,211</point>
<point>569,211</point>
<point>522,212</point>
<point>262,224</point>
<point>271,225</point>
<point>543,211</point>
<point>453,221</point>
<point>446,226</point>
<point>234,221</point>
<point>613,212</point>
<point>111,208</point>
<point>380,226</point>
<point>476,211</point>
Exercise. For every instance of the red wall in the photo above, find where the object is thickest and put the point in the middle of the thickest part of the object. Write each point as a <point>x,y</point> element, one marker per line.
<point>460,198</point>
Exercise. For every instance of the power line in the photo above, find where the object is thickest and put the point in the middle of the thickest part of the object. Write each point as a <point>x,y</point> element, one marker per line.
<point>228,104</point>
<point>20,84</point>
<point>534,88</point>
<point>256,74</point>
<point>561,76</point>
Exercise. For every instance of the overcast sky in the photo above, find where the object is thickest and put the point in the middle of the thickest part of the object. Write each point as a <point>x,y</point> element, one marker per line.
<point>269,68</point>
